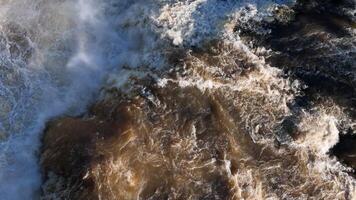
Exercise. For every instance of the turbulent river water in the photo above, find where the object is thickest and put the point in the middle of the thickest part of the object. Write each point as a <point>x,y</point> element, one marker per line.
<point>171,99</point>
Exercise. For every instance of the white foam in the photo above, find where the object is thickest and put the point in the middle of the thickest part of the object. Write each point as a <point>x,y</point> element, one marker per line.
<point>318,132</point>
<point>191,22</point>
<point>75,45</point>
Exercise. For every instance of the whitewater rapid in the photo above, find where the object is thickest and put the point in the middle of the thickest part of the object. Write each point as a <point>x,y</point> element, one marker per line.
<point>56,56</point>
<point>52,62</point>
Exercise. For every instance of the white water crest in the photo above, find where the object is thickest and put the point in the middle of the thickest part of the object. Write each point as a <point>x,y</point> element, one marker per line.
<point>53,58</point>
<point>58,76</point>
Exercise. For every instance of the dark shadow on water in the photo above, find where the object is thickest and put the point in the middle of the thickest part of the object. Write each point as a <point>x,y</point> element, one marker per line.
<point>345,150</point>
<point>318,49</point>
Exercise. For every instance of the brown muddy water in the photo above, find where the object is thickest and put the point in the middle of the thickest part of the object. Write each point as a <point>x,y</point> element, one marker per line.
<point>224,122</point>
<point>198,99</point>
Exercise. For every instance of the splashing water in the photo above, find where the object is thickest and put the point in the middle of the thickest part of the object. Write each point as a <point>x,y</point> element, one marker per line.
<point>53,58</point>
<point>58,76</point>
<point>56,56</point>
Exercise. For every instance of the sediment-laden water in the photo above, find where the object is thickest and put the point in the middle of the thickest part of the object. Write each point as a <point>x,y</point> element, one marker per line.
<point>168,99</point>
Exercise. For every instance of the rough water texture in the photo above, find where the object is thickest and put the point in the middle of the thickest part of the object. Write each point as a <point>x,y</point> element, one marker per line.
<point>169,99</point>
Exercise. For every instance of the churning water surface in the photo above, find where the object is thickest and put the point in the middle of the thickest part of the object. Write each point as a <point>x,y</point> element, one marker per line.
<point>56,55</point>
